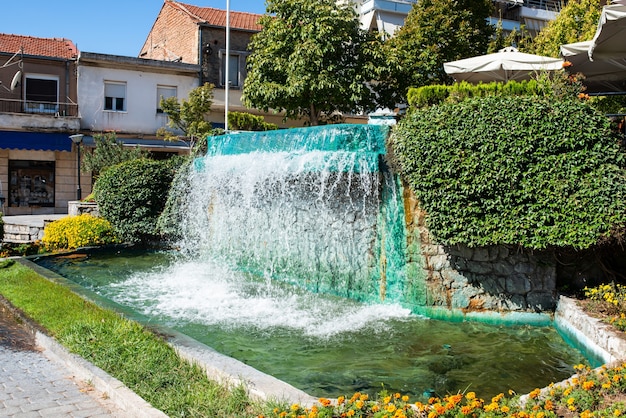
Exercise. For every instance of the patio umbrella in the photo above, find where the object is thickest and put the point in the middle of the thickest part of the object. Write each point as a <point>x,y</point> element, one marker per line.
<point>601,75</point>
<point>609,41</point>
<point>504,65</point>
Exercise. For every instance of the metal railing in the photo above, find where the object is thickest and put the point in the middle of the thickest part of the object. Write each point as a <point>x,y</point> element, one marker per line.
<point>56,109</point>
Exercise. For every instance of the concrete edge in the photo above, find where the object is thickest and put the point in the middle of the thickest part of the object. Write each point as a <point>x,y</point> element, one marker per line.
<point>592,333</point>
<point>124,398</point>
<point>231,371</point>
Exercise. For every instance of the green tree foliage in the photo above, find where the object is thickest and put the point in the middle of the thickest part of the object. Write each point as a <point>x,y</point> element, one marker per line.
<point>577,22</point>
<point>311,59</point>
<point>132,195</point>
<point>108,152</point>
<point>188,116</point>
<point>438,31</point>
<point>532,171</point>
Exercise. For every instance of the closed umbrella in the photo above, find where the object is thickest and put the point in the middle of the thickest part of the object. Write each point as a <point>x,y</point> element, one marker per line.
<point>504,65</point>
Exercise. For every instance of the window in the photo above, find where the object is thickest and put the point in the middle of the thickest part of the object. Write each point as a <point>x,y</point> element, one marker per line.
<point>233,70</point>
<point>31,183</point>
<point>164,92</point>
<point>42,93</point>
<point>114,96</point>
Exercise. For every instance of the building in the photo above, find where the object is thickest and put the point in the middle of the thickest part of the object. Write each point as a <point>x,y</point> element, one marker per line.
<point>197,35</point>
<point>122,95</point>
<point>38,112</point>
<point>387,16</point>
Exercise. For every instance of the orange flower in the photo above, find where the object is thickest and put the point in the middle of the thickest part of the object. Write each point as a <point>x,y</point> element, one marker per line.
<point>567,64</point>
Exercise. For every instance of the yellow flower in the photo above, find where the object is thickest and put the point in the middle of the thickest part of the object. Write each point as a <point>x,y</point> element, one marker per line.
<point>340,400</point>
<point>470,396</point>
<point>391,408</point>
<point>405,398</point>
<point>588,385</point>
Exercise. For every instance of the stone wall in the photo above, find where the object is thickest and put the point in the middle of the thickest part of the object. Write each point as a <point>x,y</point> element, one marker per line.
<point>497,278</point>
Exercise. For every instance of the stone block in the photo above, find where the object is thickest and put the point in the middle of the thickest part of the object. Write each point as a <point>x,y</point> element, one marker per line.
<point>541,301</point>
<point>438,262</point>
<point>517,284</point>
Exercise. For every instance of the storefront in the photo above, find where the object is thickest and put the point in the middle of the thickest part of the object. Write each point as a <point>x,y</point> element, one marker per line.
<point>37,172</point>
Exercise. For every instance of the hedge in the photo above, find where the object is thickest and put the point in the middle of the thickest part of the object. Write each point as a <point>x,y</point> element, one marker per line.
<point>530,171</point>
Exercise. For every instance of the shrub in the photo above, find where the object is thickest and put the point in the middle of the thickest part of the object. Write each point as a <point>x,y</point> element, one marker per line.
<point>249,122</point>
<point>531,171</point>
<point>78,231</point>
<point>131,195</point>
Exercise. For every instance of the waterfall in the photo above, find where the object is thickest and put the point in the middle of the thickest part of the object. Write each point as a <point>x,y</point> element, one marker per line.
<point>315,207</point>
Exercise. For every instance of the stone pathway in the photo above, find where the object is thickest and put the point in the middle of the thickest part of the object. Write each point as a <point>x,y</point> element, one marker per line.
<point>31,385</point>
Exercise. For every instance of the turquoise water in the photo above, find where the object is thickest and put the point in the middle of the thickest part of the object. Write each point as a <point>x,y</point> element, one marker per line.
<point>323,344</point>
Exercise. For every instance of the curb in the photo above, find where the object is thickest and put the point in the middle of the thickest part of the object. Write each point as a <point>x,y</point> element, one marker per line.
<point>125,399</point>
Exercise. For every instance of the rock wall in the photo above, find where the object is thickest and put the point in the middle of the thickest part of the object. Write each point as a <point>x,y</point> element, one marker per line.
<point>496,278</point>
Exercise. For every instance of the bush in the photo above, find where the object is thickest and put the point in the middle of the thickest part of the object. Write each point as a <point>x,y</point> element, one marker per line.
<point>419,97</point>
<point>78,231</point>
<point>249,122</point>
<point>131,195</point>
<point>531,171</point>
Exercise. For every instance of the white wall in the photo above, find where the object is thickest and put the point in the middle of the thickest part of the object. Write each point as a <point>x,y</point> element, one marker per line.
<point>140,116</point>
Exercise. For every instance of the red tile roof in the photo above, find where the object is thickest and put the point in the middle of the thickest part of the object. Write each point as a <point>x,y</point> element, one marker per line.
<point>217,17</point>
<point>46,47</point>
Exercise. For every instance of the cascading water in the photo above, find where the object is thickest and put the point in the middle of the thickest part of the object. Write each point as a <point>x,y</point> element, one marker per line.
<point>316,208</point>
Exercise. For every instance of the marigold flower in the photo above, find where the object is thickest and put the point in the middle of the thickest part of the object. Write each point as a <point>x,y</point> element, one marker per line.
<point>375,408</point>
<point>295,407</point>
<point>341,400</point>
<point>405,398</point>
<point>397,395</point>
<point>387,399</point>
<point>548,405</point>
<point>391,408</point>
<point>359,404</point>
<point>534,394</point>
<point>567,64</point>
<point>588,385</point>
<point>470,396</point>
<point>324,401</point>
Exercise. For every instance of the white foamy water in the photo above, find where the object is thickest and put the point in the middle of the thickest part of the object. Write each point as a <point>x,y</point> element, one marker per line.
<point>209,294</point>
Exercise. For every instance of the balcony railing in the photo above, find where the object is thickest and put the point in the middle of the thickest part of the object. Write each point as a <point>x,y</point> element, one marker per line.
<point>40,108</point>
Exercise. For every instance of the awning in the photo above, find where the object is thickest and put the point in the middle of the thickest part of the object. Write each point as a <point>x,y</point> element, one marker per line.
<point>36,141</point>
<point>89,141</point>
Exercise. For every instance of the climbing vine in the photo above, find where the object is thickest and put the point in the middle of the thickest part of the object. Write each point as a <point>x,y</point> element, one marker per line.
<point>525,170</point>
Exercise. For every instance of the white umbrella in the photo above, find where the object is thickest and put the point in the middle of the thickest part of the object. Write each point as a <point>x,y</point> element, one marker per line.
<point>601,75</point>
<point>609,41</point>
<point>507,64</point>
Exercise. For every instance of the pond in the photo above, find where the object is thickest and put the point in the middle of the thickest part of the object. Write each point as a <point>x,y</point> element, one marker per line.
<point>323,344</point>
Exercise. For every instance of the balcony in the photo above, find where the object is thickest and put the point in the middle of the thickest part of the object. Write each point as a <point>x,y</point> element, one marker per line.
<point>48,116</point>
<point>41,108</point>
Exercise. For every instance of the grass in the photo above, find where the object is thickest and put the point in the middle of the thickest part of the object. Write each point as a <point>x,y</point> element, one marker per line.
<point>152,369</point>
<point>124,349</point>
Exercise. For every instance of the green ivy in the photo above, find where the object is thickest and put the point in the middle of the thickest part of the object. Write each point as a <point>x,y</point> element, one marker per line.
<point>531,171</point>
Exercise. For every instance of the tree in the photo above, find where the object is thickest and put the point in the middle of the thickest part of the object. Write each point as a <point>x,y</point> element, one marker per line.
<point>438,31</point>
<point>312,59</point>
<point>576,22</point>
<point>109,152</point>
<point>188,116</point>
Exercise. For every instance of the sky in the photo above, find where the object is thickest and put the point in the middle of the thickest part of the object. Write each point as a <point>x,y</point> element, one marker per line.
<point>117,27</point>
